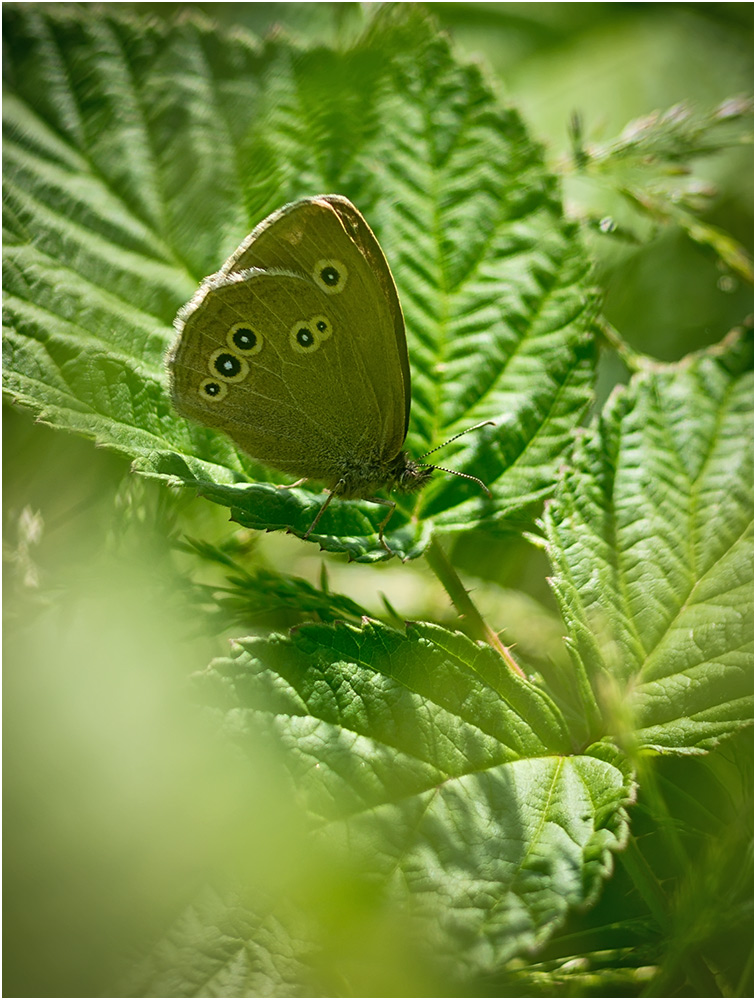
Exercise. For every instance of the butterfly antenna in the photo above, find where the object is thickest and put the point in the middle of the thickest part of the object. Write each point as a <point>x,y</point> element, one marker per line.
<point>475,427</point>
<point>464,475</point>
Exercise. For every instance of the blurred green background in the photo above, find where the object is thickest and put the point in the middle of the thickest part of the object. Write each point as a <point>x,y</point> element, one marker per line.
<point>115,808</point>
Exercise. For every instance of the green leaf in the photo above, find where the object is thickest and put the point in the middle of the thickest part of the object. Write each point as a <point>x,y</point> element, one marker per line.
<point>422,759</point>
<point>138,155</point>
<point>651,536</point>
<point>247,595</point>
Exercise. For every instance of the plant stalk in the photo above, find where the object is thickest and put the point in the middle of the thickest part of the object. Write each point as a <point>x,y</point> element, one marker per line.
<point>460,598</point>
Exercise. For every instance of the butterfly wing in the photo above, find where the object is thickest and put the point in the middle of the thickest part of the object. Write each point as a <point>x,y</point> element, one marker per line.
<point>362,234</point>
<point>299,376</point>
<point>293,239</point>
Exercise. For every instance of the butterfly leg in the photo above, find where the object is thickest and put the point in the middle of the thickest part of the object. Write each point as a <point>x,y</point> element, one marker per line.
<point>385,503</point>
<point>320,513</point>
<point>290,486</point>
<point>381,527</point>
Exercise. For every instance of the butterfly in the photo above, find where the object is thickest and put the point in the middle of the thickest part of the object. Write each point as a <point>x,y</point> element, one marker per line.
<point>296,349</point>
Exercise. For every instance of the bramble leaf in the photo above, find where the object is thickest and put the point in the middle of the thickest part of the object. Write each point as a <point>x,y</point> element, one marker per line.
<point>651,535</point>
<point>442,780</point>
<point>137,156</point>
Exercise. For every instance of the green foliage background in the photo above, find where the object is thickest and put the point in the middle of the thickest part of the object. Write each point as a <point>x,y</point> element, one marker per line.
<point>130,826</point>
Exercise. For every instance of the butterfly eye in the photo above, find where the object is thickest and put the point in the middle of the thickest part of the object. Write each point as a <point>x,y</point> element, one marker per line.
<point>244,339</point>
<point>307,335</point>
<point>212,390</point>
<point>330,276</point>
<point>227,366</point>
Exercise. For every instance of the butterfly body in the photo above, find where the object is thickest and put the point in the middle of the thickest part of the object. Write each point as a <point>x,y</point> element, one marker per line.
<point>296,349</point>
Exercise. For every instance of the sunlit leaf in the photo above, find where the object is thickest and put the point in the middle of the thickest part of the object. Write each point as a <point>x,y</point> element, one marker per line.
<point>652,539</point>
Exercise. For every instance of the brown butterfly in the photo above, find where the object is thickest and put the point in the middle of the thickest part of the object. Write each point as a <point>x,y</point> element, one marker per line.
<point>296,349</point>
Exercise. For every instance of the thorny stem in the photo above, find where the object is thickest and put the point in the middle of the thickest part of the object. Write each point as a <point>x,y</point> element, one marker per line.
<point>460,598</point>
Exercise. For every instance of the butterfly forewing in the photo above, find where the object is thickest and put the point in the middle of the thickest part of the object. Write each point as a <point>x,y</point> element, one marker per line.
<point>363,236</point>
<point>300,235</point>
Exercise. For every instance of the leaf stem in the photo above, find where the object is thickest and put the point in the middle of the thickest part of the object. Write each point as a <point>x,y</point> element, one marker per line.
<point>634,361</point>
<point>460,598</point>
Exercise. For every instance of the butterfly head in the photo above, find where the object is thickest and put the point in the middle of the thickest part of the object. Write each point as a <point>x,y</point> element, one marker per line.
<point>409,477</point>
